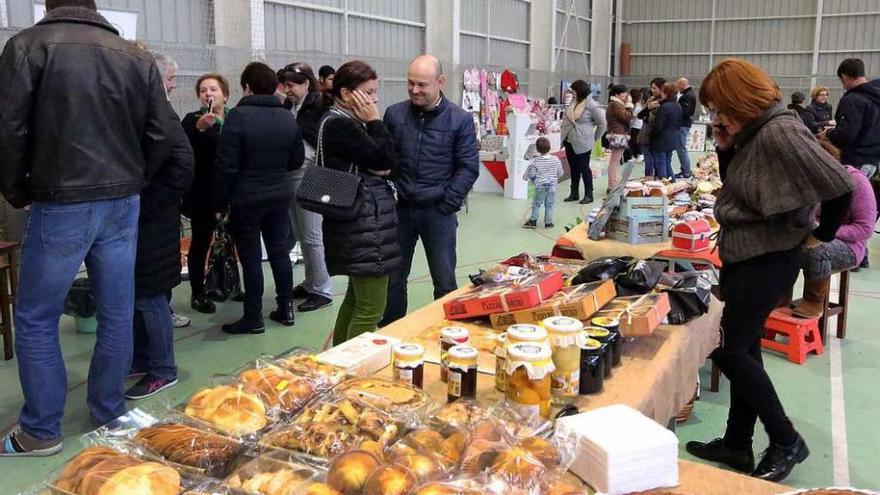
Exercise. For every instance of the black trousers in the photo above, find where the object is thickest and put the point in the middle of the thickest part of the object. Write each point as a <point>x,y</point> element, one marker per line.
<point>751,290</point>
<point>634,148</point>
<point>580,170</point>
<point>203,224</point>
<point>247,224</point>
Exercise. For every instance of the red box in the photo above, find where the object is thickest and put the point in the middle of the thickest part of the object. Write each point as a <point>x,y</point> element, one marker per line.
<point>503,298</point>
<point>692,236</point>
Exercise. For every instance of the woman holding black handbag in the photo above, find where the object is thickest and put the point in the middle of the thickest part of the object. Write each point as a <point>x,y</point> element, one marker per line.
<point>353,139</point>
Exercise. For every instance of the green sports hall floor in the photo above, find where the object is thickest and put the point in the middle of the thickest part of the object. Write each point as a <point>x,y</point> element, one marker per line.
<point>843,433</point>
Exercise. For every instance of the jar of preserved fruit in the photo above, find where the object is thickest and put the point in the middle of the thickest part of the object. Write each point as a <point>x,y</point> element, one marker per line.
<point>462,381</point>
<point>603,336</point>
<point>449,337</point>
<point>526,333</point>
<point>529,366</point>
<point>409,364</point>
<point>501,363</point>
<point>592,367</point>
<point>615,341</point>
<point>565,334</point>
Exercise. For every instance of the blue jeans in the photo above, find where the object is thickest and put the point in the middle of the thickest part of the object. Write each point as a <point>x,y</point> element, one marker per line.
<point>545,195</point>
<point>658,164</point>
<point>57,239</point>
<point>154,337</point>
<point>683,158</point>
<point>437,231</point>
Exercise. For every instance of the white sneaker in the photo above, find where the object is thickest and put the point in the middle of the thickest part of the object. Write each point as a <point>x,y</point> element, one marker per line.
<point>180,321</point>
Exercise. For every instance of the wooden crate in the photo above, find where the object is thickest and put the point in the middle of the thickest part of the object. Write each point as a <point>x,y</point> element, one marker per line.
<point>634,230</point>
<point>646,207</point>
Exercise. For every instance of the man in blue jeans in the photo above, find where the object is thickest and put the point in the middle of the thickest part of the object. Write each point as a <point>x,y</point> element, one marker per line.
<point>83,119</point>
<point>438,163</point>
<point>688,101</point>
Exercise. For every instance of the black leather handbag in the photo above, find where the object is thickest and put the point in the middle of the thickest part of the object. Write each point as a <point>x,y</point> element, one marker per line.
<point>333,194</point>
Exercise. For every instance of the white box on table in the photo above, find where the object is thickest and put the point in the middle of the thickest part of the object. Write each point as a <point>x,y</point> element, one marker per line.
<point>361,356</point>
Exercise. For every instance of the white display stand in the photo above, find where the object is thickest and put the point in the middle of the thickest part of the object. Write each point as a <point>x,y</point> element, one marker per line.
<point>486,183</point>
<point>521,147</point>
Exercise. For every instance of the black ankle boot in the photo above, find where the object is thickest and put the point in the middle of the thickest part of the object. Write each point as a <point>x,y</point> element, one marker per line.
<point>778,460</point>
<point>284,314</point>
<point>574,196</point>
<point>587,199</point>
<point>716,451</point>
<point>202,304</point>
<point>245,326</point>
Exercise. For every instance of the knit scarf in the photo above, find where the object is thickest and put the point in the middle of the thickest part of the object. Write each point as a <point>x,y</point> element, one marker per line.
<point>574,111</point>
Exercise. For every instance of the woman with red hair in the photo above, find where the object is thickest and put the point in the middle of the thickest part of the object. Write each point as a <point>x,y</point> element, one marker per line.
<point>774,174</point>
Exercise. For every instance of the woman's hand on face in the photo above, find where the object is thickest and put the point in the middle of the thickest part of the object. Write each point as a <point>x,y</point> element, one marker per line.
<point>206,121</point>
<point>363,107</point>
<point>653,104</point>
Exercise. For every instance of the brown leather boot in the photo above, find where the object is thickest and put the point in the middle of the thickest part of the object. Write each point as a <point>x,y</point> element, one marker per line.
<point>815,294</point>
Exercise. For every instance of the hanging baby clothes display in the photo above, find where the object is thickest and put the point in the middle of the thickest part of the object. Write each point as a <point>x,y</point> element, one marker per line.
<point>470,96</point>
<point>491,114</point>
<point>509,81</point>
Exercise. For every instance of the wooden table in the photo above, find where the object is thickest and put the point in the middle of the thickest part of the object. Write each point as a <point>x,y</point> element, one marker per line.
<point>657,378</point>
<point>576,244</point>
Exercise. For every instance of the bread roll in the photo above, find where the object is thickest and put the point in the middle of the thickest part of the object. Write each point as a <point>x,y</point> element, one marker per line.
<point>230,409</point>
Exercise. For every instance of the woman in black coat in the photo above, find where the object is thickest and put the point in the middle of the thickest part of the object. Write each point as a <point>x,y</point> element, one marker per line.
<point>260,148</point>
<point>819,113</point>
<point>664,132</point>
<point>157,267</point>
<point>203,130</point>
<point>354,138</point>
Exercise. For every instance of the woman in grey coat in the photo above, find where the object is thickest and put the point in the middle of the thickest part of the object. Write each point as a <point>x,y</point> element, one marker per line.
<point>583,124</point>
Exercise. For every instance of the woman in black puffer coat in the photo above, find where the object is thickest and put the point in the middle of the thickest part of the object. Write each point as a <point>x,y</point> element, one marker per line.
<point>354,138</point>
<point>819,113</point>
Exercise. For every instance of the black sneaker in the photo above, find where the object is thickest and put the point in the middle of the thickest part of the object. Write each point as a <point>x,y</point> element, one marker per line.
<point>314,303</point>
<point>778,460</point>
<point>284,314</point>
<point>683,176</point>
<point>866,263</point>
<point>571,198</point>
<point>147,386</point>
<point>136,372</point>
<point>587,199</point>
<point>716,451</point>
<point>14,442</point>
<point>202,304</point>
<point>549,225</point>
<point>244,326</point>
<point>531,224</point>
<point>299,292</point>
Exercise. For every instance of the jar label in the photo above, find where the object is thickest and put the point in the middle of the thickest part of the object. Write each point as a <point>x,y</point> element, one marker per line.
<point>565,383</point>
<point>403,375</point>
<point>454,383</point>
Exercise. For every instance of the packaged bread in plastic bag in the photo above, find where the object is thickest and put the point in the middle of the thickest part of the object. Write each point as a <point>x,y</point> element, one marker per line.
<point>279,388</point>
<point>106,471</point>
<point>230,407</point>
<point>272,474</point>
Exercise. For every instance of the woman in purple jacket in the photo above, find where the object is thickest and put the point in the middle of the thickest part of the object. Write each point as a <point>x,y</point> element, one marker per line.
<point>847,250</point>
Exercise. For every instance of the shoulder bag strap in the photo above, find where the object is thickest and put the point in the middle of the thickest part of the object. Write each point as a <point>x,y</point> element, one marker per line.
<point>319,153</point>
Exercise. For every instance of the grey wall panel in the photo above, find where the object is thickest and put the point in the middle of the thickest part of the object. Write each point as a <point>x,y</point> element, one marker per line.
<point>169,21</point>
<point>337,4</point>
<point>410,10</point>
<point>291,28</point>
<point>845,6</point>
<point>578,34</point>
<point>778,65</point>
<point>573,62</point>
<point>21,12</point>
<point>828,63</point>
<point>510,18</point>
<point>668,9</point>
<point>756,8</point>
<point>669,66</point>
<point>851,33</point>
<point>473,50</point>
<point>507,54</point>
<point>668,37</point>
<point>764,35</point>
<point>473,16</point>
<point>381,39</point>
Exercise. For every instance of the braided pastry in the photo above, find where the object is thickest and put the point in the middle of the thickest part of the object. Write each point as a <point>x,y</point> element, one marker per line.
<point>191,447</point>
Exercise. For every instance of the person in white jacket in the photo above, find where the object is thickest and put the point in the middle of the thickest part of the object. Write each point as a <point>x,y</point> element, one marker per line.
<point>582,125</point>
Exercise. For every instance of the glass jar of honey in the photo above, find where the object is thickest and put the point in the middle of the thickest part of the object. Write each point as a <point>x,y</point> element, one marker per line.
<point>462,382</point>
<point>409,364</point>
<point>529,369</point>
<point>592,367</point>
<point>655,188</point>
<point>501,363</point>
<point>603,336</point>
<point>615,340</point>
<point>526,333</point>
<point>565,333</point>
<point>450,337</point>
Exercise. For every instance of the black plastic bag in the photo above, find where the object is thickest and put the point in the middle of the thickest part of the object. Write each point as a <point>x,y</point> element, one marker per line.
<point>222,280</point>
<point>80,300</point>
<point>639,277</point>
<point>689,297</point>
<point>601,269</point>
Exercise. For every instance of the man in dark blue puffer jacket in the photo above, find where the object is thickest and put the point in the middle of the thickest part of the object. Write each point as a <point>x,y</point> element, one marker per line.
<point>438,164</point>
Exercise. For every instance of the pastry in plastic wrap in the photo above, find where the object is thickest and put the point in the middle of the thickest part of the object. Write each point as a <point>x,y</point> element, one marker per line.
<point>229,408</point>
<point>563,488</point>
<point>390,480</point>
<point>279,388</point>
<point>349,472</point>
<point>104,471</point>
<point>191,447</point>
<point>269,476</point>
<point>384,394</point>
<point>427,452</point>
<point>318,489</point>
<point>446,489</point>
<point>307,365</point>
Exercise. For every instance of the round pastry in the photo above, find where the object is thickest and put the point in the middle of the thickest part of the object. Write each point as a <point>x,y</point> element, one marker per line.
<point>518,466</point>
<point>308,365</point>
<point>319,489</point>
<point>479,455</point>
<point>384,394</point>
<point>279,387</point>
<point>443,489</point>
<point>423,466</point>
<point>425,440</point>
<point>390,480</point>
<point>544,451</point>
<point>452,448</point>
<point>230,409</point>
<point>563,488</point>
<point>349,472</point>
<point>148,478</point>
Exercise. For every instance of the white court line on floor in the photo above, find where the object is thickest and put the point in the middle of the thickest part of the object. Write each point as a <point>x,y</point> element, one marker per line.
<point>839,449</point>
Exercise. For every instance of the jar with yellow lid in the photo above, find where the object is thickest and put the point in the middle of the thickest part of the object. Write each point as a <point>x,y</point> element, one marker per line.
<point>501,363</point>
<point>409,364</point>
<point>526,333</point>
<point>450,337</point>
<point>529,369</point>
<point>615,340</point>
<point>603,336</point>
<point>592,367</point>
<point>462,383</point>
<point>565,334</point>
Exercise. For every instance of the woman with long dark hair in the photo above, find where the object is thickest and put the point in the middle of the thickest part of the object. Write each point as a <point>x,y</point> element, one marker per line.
<point>635,125</point>
<point>582,125</point>
<point>652,104</point>
<point>664,132</point>
<point>618,113</point>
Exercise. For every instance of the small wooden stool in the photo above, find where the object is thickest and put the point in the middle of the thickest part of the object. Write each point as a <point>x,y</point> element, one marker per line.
<point>8,287</point>
<point>838,309</point>
<point>803,335</point>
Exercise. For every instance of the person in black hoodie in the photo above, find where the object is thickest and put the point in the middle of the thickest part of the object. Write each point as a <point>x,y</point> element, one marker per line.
<point>857,133</point>
<point>260,148</point>
<point>664,131</point>
<point>688,101</point>
<point>307,103</point>
<point>202,127</point>
<point>797,104</point>
<point>354,139</point>
<point>819,114</point>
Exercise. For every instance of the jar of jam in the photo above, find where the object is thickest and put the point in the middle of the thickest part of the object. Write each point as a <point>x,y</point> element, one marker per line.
<point>409,364</point>
<point>615,340</point>
<point>603,336</point>
<point>565,334</point>
<point>526,333</point>
<point>462,383</point>
<point>449,337</point>
<point>529,367</point>
<point>656,189</point>
<point>634,189</point>
<point>592,367</point>
<point>501,363</point>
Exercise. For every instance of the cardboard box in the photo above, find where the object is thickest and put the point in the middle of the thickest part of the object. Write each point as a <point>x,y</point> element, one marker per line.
<point>579,301</point>
<point>505,297</point>
<point>361,356</point>
<point>639,315</point>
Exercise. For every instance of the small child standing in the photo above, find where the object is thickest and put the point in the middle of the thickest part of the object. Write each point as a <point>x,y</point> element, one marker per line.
<point>544,172</point>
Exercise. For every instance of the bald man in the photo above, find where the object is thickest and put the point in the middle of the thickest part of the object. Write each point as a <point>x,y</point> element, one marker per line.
<point>688,101</point>
<point>438,163</point>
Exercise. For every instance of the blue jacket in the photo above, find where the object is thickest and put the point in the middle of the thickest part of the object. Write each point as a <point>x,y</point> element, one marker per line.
<point>664,129</point>
<point>437,153</point>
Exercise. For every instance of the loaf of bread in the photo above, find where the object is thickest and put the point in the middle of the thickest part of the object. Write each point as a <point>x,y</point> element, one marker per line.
<point>104,471</point>
<point>186,445</point>
<point>279,387</point>
<point>231,409</point>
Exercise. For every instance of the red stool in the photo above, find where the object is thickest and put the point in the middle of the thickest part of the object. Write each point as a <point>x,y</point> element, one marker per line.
<point>803,335</point>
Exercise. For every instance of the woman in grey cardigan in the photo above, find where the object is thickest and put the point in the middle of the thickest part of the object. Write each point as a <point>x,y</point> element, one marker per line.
<point>583,124</point>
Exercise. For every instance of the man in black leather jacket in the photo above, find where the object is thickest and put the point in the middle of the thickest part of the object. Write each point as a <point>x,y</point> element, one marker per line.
<point>83,117</point>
